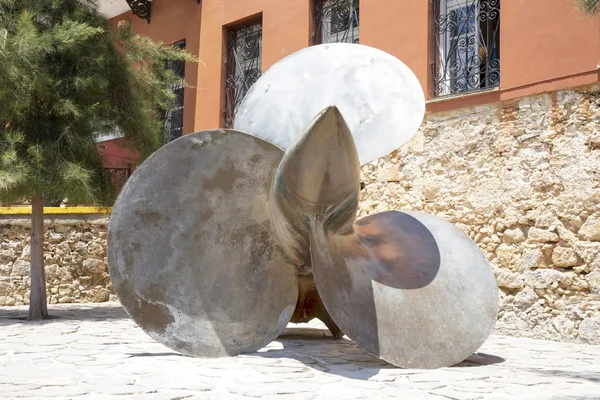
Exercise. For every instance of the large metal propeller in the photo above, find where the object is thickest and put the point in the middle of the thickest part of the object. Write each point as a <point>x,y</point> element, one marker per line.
<point>220,239</point>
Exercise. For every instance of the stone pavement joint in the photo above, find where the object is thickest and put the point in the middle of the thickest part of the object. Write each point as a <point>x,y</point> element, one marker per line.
<point>95,351</point>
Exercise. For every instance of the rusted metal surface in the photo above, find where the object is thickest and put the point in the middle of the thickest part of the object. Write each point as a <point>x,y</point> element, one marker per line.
<point>310,306</point>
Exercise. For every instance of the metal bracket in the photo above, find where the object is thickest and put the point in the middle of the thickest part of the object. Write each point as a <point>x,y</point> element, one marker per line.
<point>140,8</point>
<point>143,8</point>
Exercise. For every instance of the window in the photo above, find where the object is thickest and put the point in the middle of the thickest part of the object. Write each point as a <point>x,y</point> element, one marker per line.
<point>242,66</point>
<point>467,46</point>
<point>335,21</point>
<point>174,115</point>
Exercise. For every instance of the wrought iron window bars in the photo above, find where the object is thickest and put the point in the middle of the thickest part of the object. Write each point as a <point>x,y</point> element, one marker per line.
<point>467,46</point>
<point>335,21</point>
<point>242,65</point>
<point>174,115</point>
<point>119,175</point>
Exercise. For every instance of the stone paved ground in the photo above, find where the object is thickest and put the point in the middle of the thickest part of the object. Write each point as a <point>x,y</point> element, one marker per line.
<point>96,352</point>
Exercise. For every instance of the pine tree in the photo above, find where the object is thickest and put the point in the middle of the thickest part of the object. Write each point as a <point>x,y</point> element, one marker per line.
<point>591,7</point>
<point>65,79</point>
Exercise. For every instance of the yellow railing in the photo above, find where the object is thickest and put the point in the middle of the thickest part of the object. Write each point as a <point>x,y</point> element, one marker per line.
<point>56,210</point>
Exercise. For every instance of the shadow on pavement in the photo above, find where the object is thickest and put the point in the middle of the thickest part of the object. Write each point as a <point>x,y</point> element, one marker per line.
<point>576,375</point>
<point>165,354</point>
<point>480,359</point>
<point>316,348</point>
<point>583,397</point>
<point>87,312</point>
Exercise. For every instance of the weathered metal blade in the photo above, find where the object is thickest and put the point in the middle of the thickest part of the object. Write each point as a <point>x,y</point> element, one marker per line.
<point>408,287</point>
<point>191,251</point>
<point>319,174</point>
<point>378,95</point>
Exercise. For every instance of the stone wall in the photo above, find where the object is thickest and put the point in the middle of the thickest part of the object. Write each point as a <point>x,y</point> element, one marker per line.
<point>522,179</point>
<point>74,254</point>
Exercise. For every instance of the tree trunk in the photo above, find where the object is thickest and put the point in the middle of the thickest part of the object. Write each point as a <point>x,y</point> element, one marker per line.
<point>38,308</point>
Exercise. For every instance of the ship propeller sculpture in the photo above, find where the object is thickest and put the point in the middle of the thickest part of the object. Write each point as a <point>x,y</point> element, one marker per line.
<point>223,237</point>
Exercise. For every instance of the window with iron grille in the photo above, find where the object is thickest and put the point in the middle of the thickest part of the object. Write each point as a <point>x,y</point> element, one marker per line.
<point>335,21</point>
<point>467,46</point>
<point>174,115</point>
<point>242,66</point>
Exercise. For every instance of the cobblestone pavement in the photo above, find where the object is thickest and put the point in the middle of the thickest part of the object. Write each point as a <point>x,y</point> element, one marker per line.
<point>97,352</point>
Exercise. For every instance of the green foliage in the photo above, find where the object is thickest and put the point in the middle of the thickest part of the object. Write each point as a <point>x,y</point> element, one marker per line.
<point>65,79</point>
<point>591,7</point>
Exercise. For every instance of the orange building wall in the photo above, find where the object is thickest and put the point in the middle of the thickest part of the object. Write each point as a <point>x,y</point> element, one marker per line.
<point>544,44</point>
<point>286,29</point>
<point>544,41</point>
<point>401,28</point>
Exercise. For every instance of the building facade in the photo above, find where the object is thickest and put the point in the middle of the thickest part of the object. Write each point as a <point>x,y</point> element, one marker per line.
<point>509,149</point>
<point>464,52</point>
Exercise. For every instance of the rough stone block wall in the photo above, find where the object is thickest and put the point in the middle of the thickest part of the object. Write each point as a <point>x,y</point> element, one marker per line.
<point>74,255</point>
<point>522,179</point>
